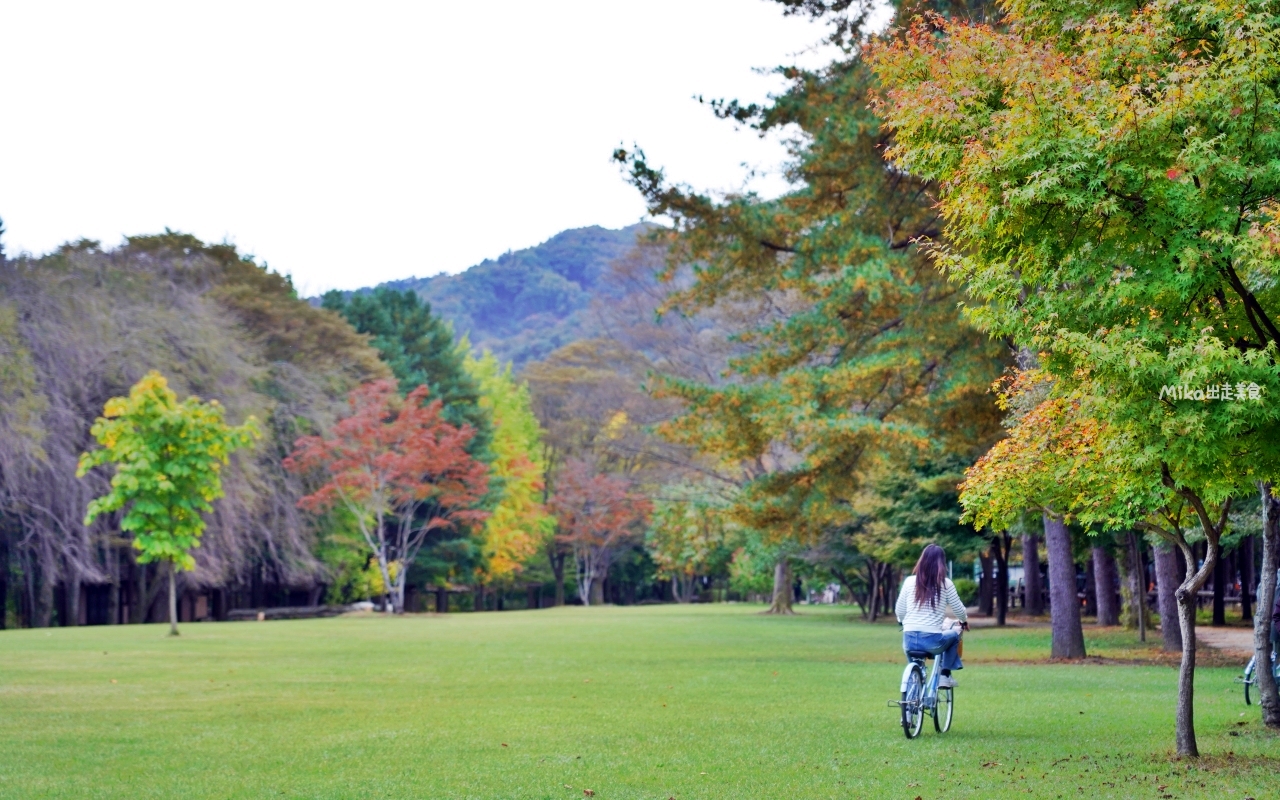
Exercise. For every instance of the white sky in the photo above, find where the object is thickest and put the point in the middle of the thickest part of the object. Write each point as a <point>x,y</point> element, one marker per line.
<point>348,144</point>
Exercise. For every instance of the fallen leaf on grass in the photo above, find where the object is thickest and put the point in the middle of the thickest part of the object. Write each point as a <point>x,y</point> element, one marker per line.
<point>588,793</point>
<point>504,744</point>
<point>567,786</point>
<point>113,680</point>
<point>990,763</point>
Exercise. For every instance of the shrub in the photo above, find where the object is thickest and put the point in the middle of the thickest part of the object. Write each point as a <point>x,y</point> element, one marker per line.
<point>967,588</point>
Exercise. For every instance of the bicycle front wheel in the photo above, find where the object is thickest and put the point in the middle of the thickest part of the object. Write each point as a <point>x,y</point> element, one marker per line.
<point>943,711</point>
<point>913,703</point>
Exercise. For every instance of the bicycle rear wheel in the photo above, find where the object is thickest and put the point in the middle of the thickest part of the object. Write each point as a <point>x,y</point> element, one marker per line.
<point>913,703</point>
<point>943,710</point>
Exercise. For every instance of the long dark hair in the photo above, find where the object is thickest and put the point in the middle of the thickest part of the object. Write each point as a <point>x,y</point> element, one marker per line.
<point>931,576</point>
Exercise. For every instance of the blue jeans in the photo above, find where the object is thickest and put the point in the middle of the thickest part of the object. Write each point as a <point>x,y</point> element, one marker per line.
<point>946,643</point>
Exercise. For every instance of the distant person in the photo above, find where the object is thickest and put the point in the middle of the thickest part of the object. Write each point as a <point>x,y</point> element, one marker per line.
<point>925,598</point>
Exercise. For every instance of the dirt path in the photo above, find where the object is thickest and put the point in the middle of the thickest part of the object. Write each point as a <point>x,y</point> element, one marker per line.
<point>1010,622</point>
<point>1237,641</point>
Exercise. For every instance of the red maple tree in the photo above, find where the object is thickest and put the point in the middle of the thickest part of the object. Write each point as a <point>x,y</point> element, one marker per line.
<point>596,514</point>
<point>399,470</point>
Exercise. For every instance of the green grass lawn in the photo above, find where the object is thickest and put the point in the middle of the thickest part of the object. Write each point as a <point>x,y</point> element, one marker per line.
<point>649,702</point>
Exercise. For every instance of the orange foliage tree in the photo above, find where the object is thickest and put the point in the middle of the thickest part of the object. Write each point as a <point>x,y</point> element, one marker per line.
<point>399,470</point>
<point>597,514</point>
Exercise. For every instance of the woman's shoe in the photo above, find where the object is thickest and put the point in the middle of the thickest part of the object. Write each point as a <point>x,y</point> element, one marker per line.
<point>946,682</point>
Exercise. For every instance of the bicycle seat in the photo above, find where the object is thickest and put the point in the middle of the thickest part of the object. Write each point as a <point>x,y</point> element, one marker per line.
<point>919,655</point>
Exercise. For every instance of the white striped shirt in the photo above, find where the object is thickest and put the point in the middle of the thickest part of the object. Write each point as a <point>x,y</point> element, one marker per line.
<point>923,618</point>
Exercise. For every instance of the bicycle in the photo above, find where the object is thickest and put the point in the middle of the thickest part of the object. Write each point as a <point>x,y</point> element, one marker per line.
<point>921,696</point>
<point>1250,679</point>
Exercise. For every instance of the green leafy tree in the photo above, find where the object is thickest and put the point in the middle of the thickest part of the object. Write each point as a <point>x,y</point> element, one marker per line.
<point>1109,185</point>
<point>420,349</point>
<point>690,535</point>
<point>168,459</point>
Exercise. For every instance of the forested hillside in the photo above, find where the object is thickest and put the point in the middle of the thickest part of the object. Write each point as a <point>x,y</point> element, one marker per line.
<point>525,304</point>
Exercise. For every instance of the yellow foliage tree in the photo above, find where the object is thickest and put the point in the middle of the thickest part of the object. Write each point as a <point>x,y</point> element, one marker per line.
<point>519,525</point>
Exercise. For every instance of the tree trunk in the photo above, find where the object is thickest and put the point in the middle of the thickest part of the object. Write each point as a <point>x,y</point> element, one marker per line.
<point>873,590</point>
<point>1220,592</point>
<point>1133,613</point>
<point>137,608</point>
<point>44,599</point>
<point>682,588</point>
<point>1185,724</point>
<point>148,596</point>
<point>113,593</point>
<point>1064,607</point>
<point>1246,577</point>
<point>1166,587</point>
<point>397,593</point>
<point>1196,577</point>
<point>71,590</point>
<point>385,570</point>
<point>173,599</point>
<point>985,593</point>
<point>781,603</point>
<point>557,569</point>
<point>1140,584</point>
<point>1001,545</point>
<point>4,579</point>
<point>597,591</point>
<point>1034,602</point>
<point>1106,580</point>
<point>1090,590</point>
<point>1267,695</point>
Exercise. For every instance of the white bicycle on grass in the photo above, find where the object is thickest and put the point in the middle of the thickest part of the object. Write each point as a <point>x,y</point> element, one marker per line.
<point>921,696</point>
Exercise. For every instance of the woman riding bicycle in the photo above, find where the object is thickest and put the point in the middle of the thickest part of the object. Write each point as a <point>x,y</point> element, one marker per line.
<point>925,598</point>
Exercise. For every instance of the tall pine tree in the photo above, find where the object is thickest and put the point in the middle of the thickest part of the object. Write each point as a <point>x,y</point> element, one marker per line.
<point>866,361</point>
<point>420,349</point>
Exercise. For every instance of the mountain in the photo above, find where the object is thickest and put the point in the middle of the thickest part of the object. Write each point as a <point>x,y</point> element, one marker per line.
<point>527,303</point>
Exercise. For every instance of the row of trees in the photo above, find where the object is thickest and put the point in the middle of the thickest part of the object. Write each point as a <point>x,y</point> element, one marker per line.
<point>82,325</point>
<point>1079,200</point>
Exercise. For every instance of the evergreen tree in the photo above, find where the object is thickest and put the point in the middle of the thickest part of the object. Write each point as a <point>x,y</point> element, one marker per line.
<point>865,360</point>
<point>420,349</point>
